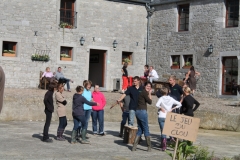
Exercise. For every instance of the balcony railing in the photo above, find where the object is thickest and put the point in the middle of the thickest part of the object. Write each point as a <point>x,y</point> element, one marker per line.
<point>68,18</point>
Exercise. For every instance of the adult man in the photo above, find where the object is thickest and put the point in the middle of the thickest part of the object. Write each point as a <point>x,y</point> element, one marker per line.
<point>153,76</point>
<point>176,91</point>
<point>60,77</point>
<point>2,83</point>
<point>133,92</point>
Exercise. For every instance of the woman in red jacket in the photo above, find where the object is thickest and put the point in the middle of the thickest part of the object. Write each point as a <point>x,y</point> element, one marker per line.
<point>97,111</point>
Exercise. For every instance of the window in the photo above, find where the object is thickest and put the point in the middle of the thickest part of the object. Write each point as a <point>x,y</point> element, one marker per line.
<point>9,49</point>
<point>188,61</point>
<point>183,21</point>
<point>66,53</point>
<point>127,57</point>
<point>232,13</point>
<point>68,18</point>
<point>175,61</point>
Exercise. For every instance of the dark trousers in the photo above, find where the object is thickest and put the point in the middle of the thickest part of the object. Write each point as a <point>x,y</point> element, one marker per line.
<point>77,120</point>
<point>65,80</point>
<point>125,116</point>
<point>47,124</point>
<point>98,116</point>
<point>62,122</point>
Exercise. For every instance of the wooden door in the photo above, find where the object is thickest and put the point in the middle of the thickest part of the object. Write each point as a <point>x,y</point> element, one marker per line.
<point>229,75</point>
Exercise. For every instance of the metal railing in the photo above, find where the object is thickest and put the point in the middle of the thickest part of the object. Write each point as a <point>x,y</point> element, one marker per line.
<point>69,17</point>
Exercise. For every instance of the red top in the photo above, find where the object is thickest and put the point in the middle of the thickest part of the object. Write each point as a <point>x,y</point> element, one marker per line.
<point>98,97</point>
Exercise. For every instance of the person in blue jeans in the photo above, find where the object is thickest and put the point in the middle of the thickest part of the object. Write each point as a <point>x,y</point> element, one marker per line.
<point>125,113</point>
<point>133,92</point>
<point>78,114</point>
<point>142,116</point>
<point>61,79</point>
<point>165,104</point>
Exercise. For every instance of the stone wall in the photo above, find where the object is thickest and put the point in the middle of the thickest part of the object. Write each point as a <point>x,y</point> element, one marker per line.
<point>105,20</point>
<point>206,26</point>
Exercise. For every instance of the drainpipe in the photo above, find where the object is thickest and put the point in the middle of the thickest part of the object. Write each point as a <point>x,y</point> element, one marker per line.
<point>150,11</point>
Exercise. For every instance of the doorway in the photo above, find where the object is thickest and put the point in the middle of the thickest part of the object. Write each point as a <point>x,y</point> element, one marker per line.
<point>97,66</point>
<point>229,75</point>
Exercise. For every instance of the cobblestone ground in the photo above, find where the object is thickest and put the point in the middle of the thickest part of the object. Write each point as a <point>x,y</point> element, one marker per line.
<point>22,140</point>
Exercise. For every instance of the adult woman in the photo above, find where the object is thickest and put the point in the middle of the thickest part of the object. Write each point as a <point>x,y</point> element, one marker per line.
<point>78,114</point>
<point>48,75</point>
<point>188,103</point>
<point>98,111</point>
<point>124,77</point>
<point>142,116</point>
<point>190,76</point>
<point>146,73</point>
<point>61,111</point>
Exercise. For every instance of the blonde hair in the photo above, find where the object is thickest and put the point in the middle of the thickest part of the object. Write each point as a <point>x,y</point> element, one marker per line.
<point>47,68</point>
<point>187,90</point>
<point>164,90</point>
<point>172,77</point>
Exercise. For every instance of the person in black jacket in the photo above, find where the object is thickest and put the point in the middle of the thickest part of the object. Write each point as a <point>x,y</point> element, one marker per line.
<point>49,109</point>
<point>78,114</point>
<point>188,103</point>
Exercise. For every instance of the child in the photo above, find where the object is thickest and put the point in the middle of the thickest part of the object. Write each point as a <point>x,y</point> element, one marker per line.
<point>165,104</point>
<point>124,77</point>
<point>78,114</point>
<point>98,111</point>
<point>125,113</point>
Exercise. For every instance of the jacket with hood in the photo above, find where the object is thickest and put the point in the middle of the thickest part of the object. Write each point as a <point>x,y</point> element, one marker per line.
<point>99,98</point>
<point>77,105</point>
<point>166,103</point>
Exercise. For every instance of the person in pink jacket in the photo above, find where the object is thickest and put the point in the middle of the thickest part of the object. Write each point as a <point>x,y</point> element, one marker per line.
<point>98,111</point>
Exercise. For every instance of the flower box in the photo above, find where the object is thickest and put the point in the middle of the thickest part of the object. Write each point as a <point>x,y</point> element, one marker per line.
<point>186,67</point>
<point>9,54</point>
<point>175,67</point>
<point>66,59</point>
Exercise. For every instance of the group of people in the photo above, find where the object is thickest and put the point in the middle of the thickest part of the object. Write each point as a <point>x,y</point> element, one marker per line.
<point>172,98</point>
<point>84,104</point>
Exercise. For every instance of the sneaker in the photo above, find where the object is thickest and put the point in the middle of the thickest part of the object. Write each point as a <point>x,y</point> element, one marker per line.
<point>69,90</point>
<point>60,139</point>
<point>48,140</point>
<point>102,134</point>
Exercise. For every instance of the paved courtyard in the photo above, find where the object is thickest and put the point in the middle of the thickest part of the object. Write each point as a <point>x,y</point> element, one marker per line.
<point>21,140</point>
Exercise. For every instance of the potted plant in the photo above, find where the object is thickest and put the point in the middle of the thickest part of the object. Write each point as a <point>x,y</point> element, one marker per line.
<point>126,60</point>
<point>65,57</point>
<point>9,53</point>
<point>188,65</point>
<point>175,65</point>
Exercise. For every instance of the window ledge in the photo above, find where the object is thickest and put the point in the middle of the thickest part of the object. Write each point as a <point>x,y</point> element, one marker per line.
<point>67,62</point>
<point>10,58</point>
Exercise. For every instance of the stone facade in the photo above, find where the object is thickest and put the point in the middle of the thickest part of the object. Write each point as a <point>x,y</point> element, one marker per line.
<point>105,20</point>
<point>206,26</point>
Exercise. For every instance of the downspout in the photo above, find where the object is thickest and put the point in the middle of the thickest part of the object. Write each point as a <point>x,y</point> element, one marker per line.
<point>150,11</point>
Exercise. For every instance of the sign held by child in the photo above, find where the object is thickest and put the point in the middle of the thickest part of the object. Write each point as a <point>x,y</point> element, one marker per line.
<point>181,126</point>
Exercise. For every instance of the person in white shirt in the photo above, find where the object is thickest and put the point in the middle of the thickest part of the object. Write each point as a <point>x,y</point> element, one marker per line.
<point>165,104</point>
<point>153,76</point>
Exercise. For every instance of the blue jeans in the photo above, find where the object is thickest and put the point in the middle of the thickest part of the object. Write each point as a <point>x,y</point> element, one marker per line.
<point>161,122</point>
<point>142,121</point>
<point>77,119</point>
<point>131,117</point>
<point>98,116</point>
<point>87,114</point>
<point>67,82</point>
<point>125,117</point>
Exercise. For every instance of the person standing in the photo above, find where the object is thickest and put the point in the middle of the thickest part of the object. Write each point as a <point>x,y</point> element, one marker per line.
<point>88,95</point>
<point>124,77</point>
<point>188,103</point>
<point>2,85</point>
<point>78,114</point>
<point>165,104</point>
<point>49,109</point>
<point>60,77</point>
<point>191,77</point>
<point>98,111</point>
<point>142,116</point>
<point>133,92</point>
<point>125,113</point>
<point>61,111</point>
<point>153,76</point>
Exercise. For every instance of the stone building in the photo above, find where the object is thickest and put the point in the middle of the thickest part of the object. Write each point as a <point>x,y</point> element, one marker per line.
<point>54,28</point>
<point>183,32</point>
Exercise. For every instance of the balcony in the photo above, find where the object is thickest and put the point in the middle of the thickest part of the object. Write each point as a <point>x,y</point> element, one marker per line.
<point>68,18</point>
